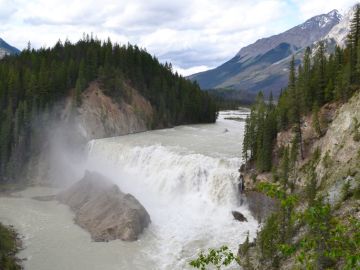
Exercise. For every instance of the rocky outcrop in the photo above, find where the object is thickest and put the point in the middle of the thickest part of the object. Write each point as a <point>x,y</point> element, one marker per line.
<point>103,210</point>
<point>101,116</point>
<point>238,216</point>
<point>336,157</point>
<point>260,205</point>
<point>63,139</point>
<point>6,49</point>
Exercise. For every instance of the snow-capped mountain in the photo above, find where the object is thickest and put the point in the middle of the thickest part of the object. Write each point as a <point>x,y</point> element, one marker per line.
<point>263,65</point>
<point>6,49</point>
<point>339,32</point>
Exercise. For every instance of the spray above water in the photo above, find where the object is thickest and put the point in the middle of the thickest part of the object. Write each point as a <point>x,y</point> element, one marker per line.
<point>185,177</point>
<point>188,194</point>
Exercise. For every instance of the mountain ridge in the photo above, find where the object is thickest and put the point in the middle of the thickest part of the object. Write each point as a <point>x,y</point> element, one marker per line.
<point>263,65</point>
<point>7,49</point>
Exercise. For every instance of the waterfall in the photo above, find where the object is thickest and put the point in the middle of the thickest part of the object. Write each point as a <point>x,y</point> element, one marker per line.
<point>187,179</point>
<point>168,171</point>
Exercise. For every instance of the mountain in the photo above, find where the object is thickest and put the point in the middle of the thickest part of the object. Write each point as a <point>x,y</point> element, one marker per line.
<point>339,32</point>
<point>263,65</point>
<point>6,49</point>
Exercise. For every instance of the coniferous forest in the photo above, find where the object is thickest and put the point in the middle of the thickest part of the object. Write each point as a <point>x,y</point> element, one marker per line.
<point>306,229</point>
<point>320,79</point>
<point>34,81</point>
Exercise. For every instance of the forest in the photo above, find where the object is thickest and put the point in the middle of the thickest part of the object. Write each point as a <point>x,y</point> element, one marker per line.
<point>319,79</point>
<point>307,231</point>
<point>33,82</point>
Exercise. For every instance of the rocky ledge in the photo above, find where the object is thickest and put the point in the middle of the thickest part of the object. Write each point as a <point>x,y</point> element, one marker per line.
<point>103,210</point>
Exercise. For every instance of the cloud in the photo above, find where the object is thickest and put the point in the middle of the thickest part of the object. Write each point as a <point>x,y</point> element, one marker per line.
<point>189,71</point>
<point>193,35</point>
<point>310,8</point>
<point>6,10</point>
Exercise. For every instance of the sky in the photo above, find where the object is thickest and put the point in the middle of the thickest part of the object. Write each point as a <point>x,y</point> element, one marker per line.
<point>194,35</point>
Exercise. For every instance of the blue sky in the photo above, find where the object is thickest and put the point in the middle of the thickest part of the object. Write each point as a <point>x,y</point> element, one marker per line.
<point>194,35</point>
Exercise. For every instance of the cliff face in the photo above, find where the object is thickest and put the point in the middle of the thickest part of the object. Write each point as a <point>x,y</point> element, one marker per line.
<point>63,139</point>
<point>337,171</point>
<point>100,116</point>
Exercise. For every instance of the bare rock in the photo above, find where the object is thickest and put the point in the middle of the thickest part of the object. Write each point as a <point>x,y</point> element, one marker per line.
<point>238,216</point>
<point>102,209</point>
<point>260,205</point>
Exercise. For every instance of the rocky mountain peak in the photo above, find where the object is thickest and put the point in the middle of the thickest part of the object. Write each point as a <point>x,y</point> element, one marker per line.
<point>263,64</point>
<point>6,49</point>
<point>339,32</point>
<point>322,20</point>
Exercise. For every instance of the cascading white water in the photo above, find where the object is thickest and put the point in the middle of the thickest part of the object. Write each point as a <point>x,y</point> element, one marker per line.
<point>186,178</point>
<point>167,171</point>
<point>188,189</point>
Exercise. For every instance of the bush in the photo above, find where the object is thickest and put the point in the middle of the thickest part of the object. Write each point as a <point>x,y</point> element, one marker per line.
<point>346,191</point>
<point>217,257</point>
<point>327,161</point>
<point>8,248</point>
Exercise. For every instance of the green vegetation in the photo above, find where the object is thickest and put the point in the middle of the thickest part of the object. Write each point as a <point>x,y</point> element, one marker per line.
<point>326,242</point>
<point>356,130</point>
<point>317,81</point>
<point>306,232</point>
<point>216,257</point>
<point>260,132</point>
<point>32,83</point>
<point>8,249</point>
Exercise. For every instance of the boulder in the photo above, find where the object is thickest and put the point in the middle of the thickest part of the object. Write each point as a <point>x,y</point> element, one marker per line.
<point>238,216</point>
<point>103,210</point>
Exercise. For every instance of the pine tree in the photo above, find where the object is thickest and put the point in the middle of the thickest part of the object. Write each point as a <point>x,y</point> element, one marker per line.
<point>320,66</point>
<point>295,104</point>
<point>353,43</point>
<point>316,121</point>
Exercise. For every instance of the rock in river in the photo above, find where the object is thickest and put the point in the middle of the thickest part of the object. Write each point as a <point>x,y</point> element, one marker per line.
<point>104,210</point>
<point>238,216</point>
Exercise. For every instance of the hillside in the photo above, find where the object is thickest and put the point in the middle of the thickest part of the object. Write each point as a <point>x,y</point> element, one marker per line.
<point>323,189</point>
<point>304,153</point>
<point>90,89</point>
<point>263,65</point>
<point>6,49</point>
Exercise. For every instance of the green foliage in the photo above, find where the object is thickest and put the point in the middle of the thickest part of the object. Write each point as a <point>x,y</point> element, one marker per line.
<point>34,81</point>
<point>311,185</point>
<point>328,240</point>
<point>8,249</point>
<point>327,161</point>
<point>325,242</point>
<point>260,133</point>
<point>356,131</point>
<point>216,257</point>
<point>272,190</point>
<point>269,240</point>
<point>316,81</point>
<point>346,192</point>
<point>316,121</point>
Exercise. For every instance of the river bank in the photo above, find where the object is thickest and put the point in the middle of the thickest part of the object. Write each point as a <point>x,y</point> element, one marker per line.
<point>10,244</point>
<point>186,177</point>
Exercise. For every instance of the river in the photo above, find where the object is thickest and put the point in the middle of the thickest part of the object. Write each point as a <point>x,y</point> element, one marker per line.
<point>186,177</point>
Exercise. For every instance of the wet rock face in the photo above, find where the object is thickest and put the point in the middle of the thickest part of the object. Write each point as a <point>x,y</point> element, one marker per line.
<point>104,210</point>
<point>260,205</point>
<point>238,216</point>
